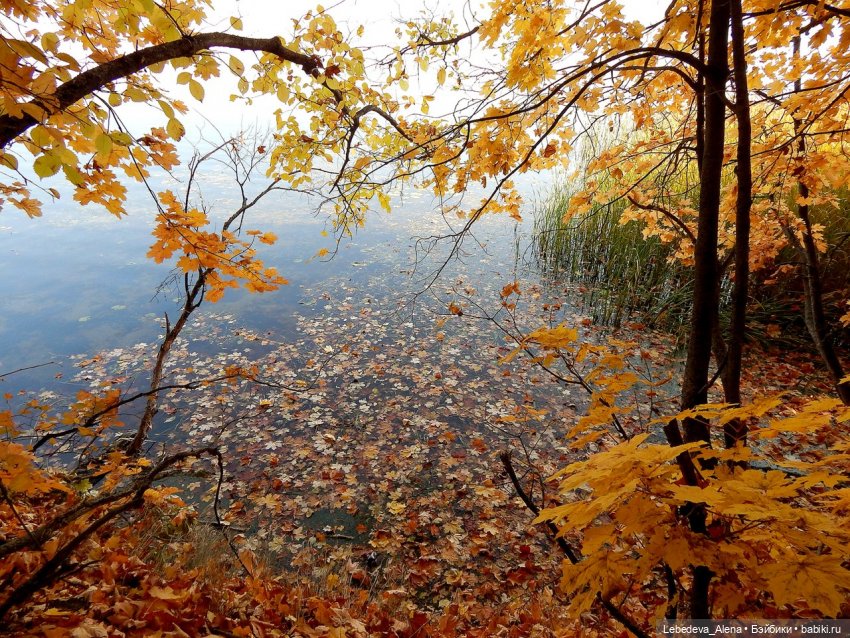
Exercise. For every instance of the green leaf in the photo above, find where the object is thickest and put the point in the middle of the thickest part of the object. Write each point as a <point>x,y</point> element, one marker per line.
<point>73,175</point>
<point>46,165</point>
<point>122,138</point>
<point>41,137</point>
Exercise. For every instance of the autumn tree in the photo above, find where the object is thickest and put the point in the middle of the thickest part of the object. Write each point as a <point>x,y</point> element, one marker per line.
<point>72,66</point>
<point>703,86</point>
<point>68,69</point>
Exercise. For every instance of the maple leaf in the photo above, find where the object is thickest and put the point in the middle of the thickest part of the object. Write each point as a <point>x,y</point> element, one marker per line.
<point>167,593</point>
<point>818,579</point>
<point>558,337</point>
<point>396,507</point>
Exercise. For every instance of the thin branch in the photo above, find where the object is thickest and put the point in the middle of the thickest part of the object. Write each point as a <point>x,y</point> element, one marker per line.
<point>565,547</point>
<point>660,209</point>
<point>45,574</point>
<point>569,552</point>
<point>447,42</point>
<point>38,365</point>
<point>7,497</point>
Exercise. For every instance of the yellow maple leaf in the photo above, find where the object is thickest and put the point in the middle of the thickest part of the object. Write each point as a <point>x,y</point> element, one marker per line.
<point>558,337</point>
<point>818,579</point>
<point>396,508</point>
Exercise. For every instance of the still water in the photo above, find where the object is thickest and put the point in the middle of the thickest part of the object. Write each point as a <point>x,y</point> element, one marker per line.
<point>380,412</point>
<point>76,282</point>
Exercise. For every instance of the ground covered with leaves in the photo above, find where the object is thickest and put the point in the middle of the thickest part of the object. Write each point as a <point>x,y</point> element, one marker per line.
<point>362,491</point>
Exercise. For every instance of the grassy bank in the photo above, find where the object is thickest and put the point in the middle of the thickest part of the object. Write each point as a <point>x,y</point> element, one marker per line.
<point>621,275</point>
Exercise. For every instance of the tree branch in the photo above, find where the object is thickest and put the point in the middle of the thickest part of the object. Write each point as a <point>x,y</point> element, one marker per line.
<point>505,458</point>
<point>102,75</point>
<point>45,574</point>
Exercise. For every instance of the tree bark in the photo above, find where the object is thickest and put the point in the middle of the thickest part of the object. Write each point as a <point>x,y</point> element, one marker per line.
<point>736,430</point>
<point>706,267</point>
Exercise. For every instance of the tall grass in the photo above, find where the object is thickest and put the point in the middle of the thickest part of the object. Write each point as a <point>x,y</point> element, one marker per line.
<point>622,275</point>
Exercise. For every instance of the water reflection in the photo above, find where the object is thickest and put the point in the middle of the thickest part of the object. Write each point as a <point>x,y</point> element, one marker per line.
<point>77,280</point>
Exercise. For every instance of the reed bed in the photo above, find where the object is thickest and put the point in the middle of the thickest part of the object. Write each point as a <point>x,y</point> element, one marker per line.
<point>620,274</point>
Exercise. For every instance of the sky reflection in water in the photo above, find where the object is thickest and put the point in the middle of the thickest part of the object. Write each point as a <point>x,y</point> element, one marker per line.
<point>77,281</point>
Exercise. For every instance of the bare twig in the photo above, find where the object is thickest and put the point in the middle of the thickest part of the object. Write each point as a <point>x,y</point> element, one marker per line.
<point>569,552</point>
<point>135,497</point>
<point>5,493</point>
<point>38,365</point>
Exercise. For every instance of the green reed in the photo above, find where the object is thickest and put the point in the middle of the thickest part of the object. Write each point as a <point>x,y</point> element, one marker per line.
<point>621,275</point>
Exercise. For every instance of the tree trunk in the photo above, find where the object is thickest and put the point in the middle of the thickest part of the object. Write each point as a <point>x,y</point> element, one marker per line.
<point>736,430</point>
<point>695,379</point>
<point>813,311</point>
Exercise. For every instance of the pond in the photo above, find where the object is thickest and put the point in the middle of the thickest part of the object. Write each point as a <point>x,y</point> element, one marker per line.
<point>77,283</point>
<point>381,398</point>
<point>77,280</point>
